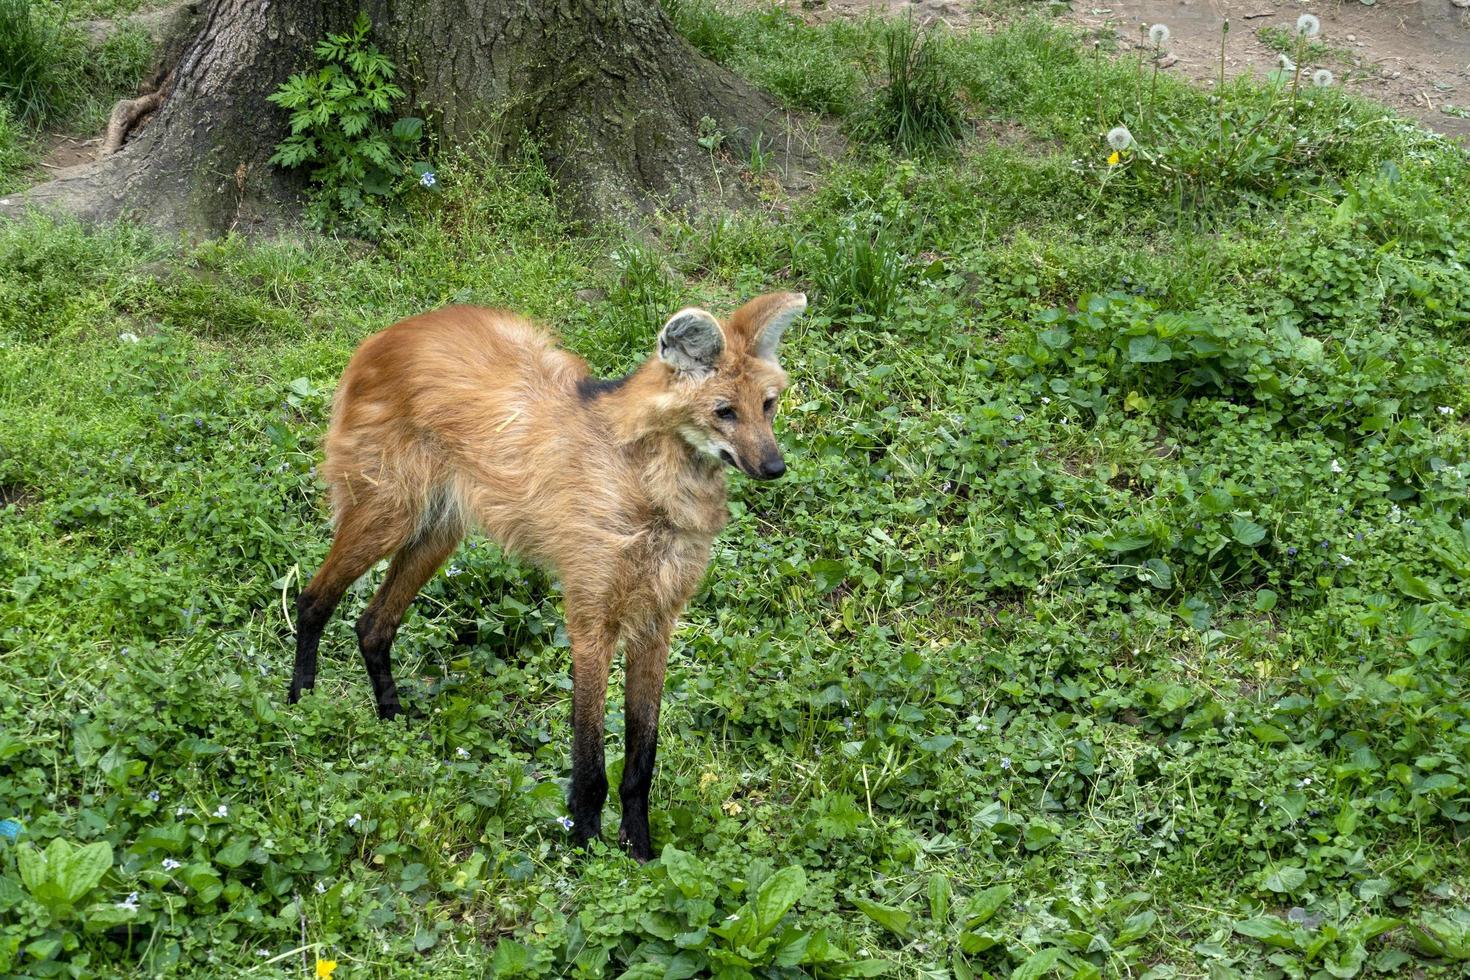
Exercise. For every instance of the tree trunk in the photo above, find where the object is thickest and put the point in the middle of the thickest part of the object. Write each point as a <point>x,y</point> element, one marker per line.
<point>613,95</point>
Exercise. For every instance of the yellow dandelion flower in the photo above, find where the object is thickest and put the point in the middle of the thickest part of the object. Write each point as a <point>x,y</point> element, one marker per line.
<point>1113,158</point>
<point>707,780</point>
<point>733,808</point>
<point>324,968</point>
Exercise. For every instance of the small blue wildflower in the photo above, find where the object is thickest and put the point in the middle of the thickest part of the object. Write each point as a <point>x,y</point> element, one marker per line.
<point>1005,762</point>
<point>1290,551</point>
<point>428,179</point>
<point>10,829</point>
<point>566,822</point>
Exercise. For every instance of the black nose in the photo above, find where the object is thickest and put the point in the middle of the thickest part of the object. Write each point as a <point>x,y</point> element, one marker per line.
<point>772,468</point>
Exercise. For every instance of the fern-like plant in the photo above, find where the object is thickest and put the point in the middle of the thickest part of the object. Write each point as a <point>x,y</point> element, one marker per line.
<point>360,162</point>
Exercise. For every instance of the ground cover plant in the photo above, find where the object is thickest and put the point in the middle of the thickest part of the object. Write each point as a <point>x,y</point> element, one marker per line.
<point>1111,621</point>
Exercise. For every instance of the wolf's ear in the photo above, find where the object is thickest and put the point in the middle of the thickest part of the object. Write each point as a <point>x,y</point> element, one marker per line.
<point>691,342</point>
<point>769,317</point>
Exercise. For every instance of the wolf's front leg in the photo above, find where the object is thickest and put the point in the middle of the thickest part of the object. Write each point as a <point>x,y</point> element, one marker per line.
<point>646,648</point>
<point>592,649</point>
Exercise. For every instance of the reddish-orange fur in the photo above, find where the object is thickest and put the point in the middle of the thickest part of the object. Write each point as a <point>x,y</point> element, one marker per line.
<point>469,417</point>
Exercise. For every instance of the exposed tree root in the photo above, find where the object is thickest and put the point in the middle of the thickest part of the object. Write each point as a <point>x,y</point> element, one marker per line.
<point>127,112</point>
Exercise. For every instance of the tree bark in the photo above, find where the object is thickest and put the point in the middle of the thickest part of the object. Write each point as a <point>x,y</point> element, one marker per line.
<point>614,97</point>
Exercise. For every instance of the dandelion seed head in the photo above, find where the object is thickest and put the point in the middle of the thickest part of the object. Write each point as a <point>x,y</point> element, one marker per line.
<point>1285,63</point>
<point>128,337</point>
<point>1322,78</point>
<point>1158,35</point>
<point>1307,25</point>
<point>1119,138</point>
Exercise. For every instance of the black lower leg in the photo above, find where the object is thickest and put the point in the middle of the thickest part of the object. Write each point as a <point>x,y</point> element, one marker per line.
<point>376,642</point>
<point>642,746</point>
<point>312,613</point>
<point>589,778</point>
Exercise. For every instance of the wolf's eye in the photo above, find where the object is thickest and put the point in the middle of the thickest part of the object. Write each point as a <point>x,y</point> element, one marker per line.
<point>770,404</point>
<point>725,413</point>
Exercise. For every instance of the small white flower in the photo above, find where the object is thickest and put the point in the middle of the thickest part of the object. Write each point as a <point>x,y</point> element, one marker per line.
<point>1322,78</point>
<point>1045,400</point>
<point>1005,762</point>
<point>169,864</point>
<point>462,752</point>
<point>1158,35</point>
<point>321,888</point>
<point>1119,138</point>
<point>354,820</point>
<point>1336,466</point>
<point>1308,25</point>
<point>452,571</point>
<point>153,795</point>
<point>1285,63</point>
<point>129,904</point>
<point>128,337</point>
<point>181,811</point>
<point>428,179</point>
<point>222,811</point>
<point>1445,410</point>
<point>566,822</point>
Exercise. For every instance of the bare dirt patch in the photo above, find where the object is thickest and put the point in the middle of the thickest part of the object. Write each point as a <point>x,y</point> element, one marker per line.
<point>1412,55</point>
<point>64,151</point>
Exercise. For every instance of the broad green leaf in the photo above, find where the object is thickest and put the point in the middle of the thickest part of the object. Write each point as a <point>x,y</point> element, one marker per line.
<point>1269,734</point>
<point>894,920</point>
<point>1148,350</point>
<point>235,854</point>
<point>1156,572</point>
<point>1037,964</point>
<point>83,869</point>
<point>1269,930</point>
<point>1285,880</point>
<point>977,942</point>
<point>684,869</point>
<point>1136,926</point>
<point>1246,531</point>
<point>1412,585</point>
<point>776,896</point>
<point>34,868</point>
<point>940,893</point>
<point>984,904</point>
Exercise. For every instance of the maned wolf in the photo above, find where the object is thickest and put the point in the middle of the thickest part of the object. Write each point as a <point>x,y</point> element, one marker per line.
<point>468,416</point>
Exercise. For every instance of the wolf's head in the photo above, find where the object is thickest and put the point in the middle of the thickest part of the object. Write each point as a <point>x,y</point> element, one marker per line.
<point>724,380</point>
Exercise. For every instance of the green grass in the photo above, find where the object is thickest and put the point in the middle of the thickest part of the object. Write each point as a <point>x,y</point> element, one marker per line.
<point>52,80</point>
<point>1113,614</point>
